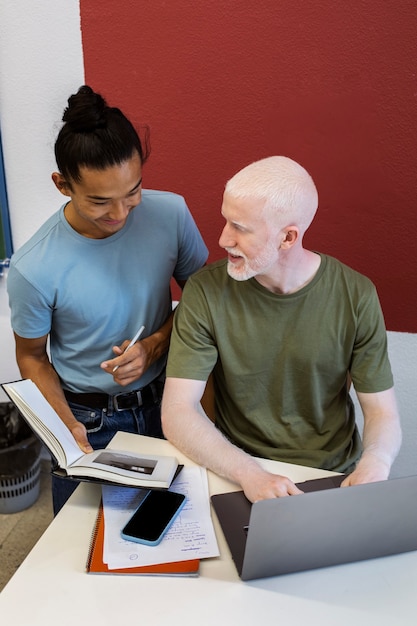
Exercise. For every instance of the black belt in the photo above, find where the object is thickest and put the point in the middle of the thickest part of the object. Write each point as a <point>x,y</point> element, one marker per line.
<point>151,394</point>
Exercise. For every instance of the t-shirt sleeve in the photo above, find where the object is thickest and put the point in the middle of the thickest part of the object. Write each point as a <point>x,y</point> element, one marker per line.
<point>192,352</point>
<point>370,366</point>
<point>192,251</point>
<point>31,314</point>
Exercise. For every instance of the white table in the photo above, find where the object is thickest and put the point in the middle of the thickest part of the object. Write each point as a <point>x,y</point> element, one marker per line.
<point>52,588</point>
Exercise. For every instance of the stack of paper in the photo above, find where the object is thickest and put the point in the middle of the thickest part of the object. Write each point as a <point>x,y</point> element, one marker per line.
<point>190,538</point>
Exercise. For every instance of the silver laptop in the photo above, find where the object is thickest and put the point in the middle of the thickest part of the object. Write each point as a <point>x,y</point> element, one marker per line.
<point>327,525</point>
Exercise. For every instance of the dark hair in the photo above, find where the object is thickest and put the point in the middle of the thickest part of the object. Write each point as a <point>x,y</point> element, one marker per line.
<point>95,135</point>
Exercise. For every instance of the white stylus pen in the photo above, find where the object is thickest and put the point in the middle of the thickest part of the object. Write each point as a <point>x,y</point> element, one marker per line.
<point>132,343</point>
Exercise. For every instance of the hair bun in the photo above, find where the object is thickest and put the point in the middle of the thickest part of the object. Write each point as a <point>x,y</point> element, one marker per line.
<point>95,135</point>
<point>86,111</point>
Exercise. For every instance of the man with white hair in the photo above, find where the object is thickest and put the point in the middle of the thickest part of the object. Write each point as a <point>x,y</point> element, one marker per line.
<point>283,331</point>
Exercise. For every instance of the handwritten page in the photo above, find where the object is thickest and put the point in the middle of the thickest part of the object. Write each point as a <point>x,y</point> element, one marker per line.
<point>191,536</point>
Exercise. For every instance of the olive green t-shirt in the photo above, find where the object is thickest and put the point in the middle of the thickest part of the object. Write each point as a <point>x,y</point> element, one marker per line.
<point>280,362</point>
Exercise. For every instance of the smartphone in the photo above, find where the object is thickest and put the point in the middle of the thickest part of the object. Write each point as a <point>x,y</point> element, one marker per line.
<point>153,517</point>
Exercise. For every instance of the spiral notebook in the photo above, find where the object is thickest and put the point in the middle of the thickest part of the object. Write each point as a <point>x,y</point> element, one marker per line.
<point>96,565</point>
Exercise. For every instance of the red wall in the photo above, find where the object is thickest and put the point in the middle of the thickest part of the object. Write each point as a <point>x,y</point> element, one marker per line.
<point>331,84</point>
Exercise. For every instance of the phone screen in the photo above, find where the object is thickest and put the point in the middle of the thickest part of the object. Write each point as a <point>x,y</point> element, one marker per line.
<point>153,517</point>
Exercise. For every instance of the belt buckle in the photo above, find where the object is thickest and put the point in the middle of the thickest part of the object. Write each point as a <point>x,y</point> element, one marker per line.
<point>136,393</point>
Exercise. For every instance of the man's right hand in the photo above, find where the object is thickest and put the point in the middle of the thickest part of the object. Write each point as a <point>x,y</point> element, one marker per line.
<point>262,485</point>
<point>79,433</point>
<point>33,361</point>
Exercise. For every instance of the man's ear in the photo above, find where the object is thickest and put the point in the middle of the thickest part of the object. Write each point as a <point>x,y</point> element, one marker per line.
<point>291,235</point>
<point>61,184</point>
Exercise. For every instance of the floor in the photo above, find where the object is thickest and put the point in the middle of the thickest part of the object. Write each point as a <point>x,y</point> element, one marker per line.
<point>20,531</point>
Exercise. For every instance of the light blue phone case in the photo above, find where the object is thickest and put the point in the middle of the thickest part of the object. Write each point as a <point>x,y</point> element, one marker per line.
<point>158,540</point>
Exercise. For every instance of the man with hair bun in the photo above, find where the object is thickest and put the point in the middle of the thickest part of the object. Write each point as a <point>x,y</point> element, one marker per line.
<point>283,331</point>
<point>93,274</point>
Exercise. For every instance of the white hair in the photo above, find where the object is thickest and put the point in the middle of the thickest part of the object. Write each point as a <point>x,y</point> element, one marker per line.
<point>287,189</point>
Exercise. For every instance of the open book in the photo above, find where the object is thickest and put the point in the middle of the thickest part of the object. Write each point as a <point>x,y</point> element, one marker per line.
<point>114,466</point>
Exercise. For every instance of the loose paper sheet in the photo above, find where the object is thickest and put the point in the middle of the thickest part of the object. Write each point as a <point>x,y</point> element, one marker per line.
<point>191,536</point>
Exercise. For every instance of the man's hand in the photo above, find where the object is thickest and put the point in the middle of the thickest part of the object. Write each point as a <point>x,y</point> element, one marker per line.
<point>370,469</point>
<point>131,364</point>
<point>79,433</point>
<point>262,485</point>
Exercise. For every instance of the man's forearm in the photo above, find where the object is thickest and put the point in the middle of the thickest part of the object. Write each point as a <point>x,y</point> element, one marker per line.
<point>41,372</point>
<point>381,437</point>
<point>192,432</point>
<point>200,440</point>
<point>382,429</point>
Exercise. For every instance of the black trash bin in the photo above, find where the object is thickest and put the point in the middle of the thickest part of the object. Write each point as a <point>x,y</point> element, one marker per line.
<point>20,457</point>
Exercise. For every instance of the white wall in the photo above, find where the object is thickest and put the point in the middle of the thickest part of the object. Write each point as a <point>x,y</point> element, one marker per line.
<point>41,64</point>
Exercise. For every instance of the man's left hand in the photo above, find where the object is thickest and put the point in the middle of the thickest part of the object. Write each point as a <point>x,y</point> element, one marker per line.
<point>370,469</point>
<point>130,364</point>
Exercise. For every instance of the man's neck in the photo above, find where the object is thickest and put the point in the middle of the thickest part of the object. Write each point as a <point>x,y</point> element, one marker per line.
<point>293,272</point>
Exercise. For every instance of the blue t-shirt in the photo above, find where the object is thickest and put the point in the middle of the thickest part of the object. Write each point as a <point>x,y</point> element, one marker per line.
<point>92,294</point>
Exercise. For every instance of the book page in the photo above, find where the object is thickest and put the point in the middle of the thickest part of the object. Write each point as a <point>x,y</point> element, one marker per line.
<point>191,536</point>
<point>44,421</point>
<point>133,467</point>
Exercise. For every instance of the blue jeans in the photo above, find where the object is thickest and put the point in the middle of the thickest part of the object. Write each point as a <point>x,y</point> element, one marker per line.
<point>101,428</point>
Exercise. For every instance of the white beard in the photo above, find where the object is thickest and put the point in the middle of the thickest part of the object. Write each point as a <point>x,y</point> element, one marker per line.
<point>249,268</point>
